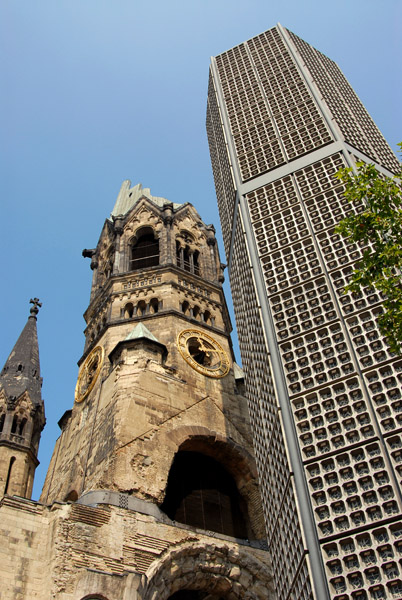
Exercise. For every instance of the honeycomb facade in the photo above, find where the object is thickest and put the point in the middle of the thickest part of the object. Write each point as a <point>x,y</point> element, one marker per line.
<point>324,390</point>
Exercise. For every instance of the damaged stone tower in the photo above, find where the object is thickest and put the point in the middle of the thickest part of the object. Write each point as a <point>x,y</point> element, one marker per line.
<point>152,488</point>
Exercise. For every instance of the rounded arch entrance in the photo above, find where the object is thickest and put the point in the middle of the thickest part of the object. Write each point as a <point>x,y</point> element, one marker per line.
<point>233,476</point>
<point>202,493</point>
<point>191,572</point>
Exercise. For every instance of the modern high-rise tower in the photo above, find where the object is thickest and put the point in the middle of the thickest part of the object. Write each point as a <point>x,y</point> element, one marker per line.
<point>324,390</point>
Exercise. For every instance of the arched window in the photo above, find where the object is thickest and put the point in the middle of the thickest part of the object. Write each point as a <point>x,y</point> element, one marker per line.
<point>207,317</point>
<point>145,250</point>
<point>14,424</point>
<point>21,426</point>
<point>2,419</point>
<point>196,312</point>
<point>185,307</point>
<point>195,262</point>
<point>202,493</point>
<point>154,305</point>
<point>141,308</point>
<point>187,259</point>
<point>129,310</point>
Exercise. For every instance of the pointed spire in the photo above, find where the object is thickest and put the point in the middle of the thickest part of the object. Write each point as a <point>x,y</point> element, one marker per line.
<point>21,371</point>
<point>140,331</point>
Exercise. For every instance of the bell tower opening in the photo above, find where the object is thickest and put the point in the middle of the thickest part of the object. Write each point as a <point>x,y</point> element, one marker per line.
<point>186,257</point>
<point>202,493</point>
<point>144,250</point>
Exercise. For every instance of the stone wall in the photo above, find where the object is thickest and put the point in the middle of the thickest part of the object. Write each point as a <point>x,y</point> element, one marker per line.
<point>68,551</point>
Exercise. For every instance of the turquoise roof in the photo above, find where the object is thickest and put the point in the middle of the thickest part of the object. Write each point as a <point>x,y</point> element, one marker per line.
<point>140,331</point>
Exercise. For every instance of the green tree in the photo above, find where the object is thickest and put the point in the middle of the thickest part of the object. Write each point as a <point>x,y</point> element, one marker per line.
<point>377,222</point>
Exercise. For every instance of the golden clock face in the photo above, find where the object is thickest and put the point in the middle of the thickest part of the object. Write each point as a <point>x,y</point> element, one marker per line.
<point>203,353</point>
<point>88,374</point>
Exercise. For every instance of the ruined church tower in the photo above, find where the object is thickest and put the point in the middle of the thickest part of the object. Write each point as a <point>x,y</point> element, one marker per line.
<point>152,490</point>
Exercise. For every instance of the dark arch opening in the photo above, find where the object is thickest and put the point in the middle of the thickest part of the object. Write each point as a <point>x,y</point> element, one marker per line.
<point>196,263</point>
<point>141,308</point>
<point>207,317</point>
<point>21,426</point>
<point>2,419</point>
<point>186,259</point>
<point>145,250</point>
<point>154,306</point>
<point>129,310</point>
<point>14,424</point>
<point>201,492</point>
<point>71,496</point>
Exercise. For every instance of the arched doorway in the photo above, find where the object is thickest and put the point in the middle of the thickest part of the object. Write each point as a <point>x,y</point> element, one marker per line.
<point>202,493</point>
<point>195,576</point>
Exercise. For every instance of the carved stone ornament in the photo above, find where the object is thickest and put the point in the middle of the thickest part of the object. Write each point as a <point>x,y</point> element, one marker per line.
<point>88,374</point>
<point>203,353</point>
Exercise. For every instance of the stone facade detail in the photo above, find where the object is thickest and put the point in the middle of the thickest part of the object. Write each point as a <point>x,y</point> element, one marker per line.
<point>111,552</point>
<point>115,519</point>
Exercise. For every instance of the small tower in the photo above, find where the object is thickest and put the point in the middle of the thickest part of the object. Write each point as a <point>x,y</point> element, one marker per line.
<point>22,412</point>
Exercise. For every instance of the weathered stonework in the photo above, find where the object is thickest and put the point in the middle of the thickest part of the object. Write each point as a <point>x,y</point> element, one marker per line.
<point>67,551</point>
<point>22,415</point>
<point>100,526</point>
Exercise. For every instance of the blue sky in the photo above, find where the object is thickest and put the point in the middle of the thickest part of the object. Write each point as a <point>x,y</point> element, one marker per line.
<point>95,92</point>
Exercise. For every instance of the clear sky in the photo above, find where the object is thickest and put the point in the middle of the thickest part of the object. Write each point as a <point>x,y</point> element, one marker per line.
<point>97,91</point>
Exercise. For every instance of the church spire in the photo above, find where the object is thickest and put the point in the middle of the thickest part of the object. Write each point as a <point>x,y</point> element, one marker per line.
<point>22,414</point>
<point>21,372</point>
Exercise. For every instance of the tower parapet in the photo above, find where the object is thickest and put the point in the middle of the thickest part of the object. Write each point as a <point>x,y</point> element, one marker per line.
<point>154,256</point>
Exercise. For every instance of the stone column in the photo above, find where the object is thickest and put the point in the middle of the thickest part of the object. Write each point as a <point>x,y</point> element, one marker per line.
<point>118,227</point>
<point>168,222</point>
